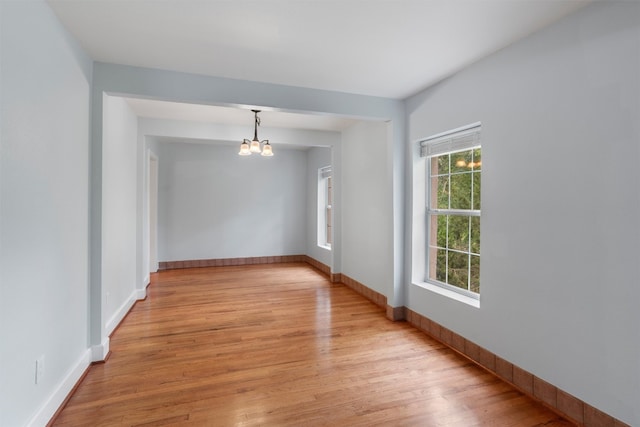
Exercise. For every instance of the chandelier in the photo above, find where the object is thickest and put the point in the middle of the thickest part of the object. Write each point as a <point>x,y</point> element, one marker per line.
<point>249,147</point>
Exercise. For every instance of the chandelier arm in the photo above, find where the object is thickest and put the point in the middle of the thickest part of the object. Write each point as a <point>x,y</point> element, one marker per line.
<point>255,129</point>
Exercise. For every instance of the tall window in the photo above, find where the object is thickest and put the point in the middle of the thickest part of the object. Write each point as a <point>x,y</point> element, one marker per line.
<point>325,200</point>
<point>454,166</point>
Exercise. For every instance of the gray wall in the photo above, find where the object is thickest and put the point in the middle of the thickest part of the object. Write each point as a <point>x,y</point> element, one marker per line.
<point>154,133</point>
<point>560,201</point>
<point>367,240</point>
<point>44,135</point>
<point>560,115</point>
<point>216,204</point>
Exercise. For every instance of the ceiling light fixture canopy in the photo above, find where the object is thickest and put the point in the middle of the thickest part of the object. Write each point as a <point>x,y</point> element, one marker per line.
<point>254,146</point>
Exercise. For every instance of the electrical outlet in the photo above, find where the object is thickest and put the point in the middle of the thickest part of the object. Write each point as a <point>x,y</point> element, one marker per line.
<point>39,369</point>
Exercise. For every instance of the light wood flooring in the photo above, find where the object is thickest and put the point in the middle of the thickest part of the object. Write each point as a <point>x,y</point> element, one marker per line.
<point>279,345</point>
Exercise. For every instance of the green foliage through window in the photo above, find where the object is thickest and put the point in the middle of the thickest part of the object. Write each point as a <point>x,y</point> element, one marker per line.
<point>454,219</point>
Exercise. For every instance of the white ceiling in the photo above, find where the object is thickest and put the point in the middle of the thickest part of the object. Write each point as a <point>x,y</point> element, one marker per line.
<point>386,48</point>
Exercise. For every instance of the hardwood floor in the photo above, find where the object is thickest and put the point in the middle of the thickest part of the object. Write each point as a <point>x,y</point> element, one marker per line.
<point>279,345</point>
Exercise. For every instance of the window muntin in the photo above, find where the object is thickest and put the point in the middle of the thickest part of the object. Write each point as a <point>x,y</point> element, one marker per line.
<point>454,163</point>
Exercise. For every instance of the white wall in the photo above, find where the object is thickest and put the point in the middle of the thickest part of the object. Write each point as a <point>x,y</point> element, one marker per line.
<point>317,157</point>
<point>119,210</point>
<point>560,203</point>
<point>367,221</point>
<point>44,135</point>
<point>216,204</point>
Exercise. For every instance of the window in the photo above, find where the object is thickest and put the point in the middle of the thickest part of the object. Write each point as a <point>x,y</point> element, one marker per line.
<point>454,167</point>
<point>325,199</point>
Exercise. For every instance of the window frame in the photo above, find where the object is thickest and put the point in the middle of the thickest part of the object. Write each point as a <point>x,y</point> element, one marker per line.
<point>447,143</point>
<point>324,208</point>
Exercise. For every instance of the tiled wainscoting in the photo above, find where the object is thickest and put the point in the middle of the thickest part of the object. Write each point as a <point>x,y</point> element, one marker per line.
<point>373,296</point>
<point>558,400</point>
<point>553,397</point>
<point>223,262</point>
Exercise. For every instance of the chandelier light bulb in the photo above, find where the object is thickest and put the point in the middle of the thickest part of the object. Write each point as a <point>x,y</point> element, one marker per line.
<point>255,146</point>
<point>266,149</point>
<point>244,148</point>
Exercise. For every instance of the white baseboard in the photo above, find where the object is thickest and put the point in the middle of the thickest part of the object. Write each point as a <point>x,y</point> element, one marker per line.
<point>60,393</point>
<point>96,353</point>
<point>99,352</point>
<point>114,321</point>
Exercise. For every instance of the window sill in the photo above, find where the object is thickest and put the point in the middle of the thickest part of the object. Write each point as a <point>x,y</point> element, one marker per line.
<point>325,247</point>
<point>449,294</point>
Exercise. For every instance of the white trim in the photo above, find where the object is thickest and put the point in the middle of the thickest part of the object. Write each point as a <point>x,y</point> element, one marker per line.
<point>453,141</point>
<point>324,172</point>
<point>152,189</point>
<point>112,323</point>
<point>473,302</point>
<point>460,212</point>
<point>451,288</point>
<point>452,131</point>
<point>99,352</point>
<point>322,205</point>
<point>44,414</point>
<point>461,139</point>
